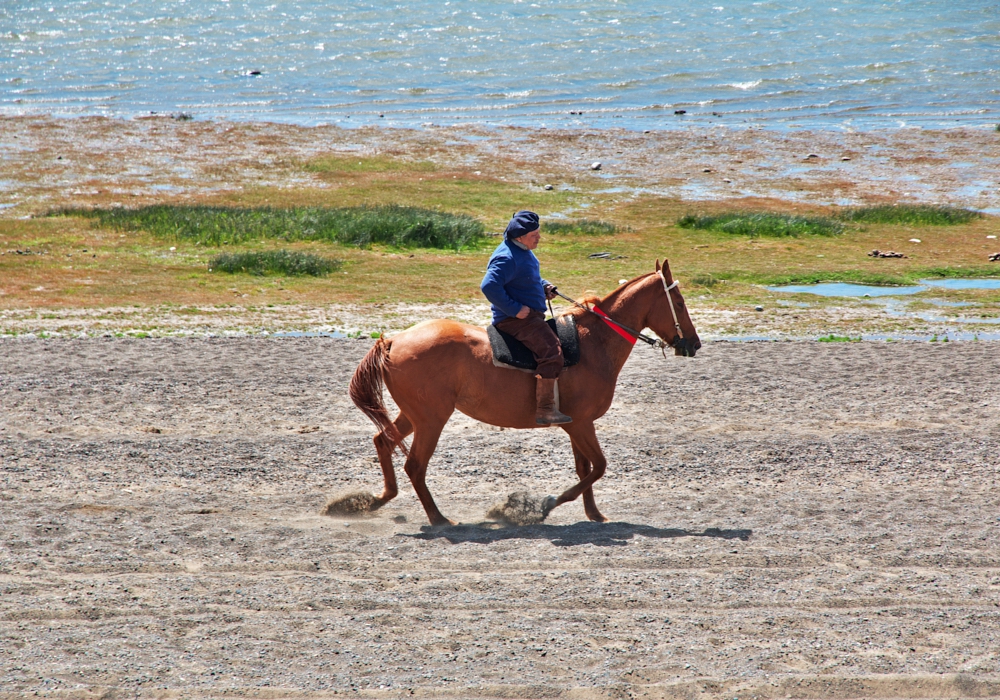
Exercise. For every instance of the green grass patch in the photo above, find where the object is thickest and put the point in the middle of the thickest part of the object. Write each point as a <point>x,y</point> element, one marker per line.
<point>371,164</point>
<point>704,279</point>
<point>275,262</point>
<point>588,227</point>
<point>763,224</point>
<point>816,277</point>
<point>911,214</point>
<point>361,226</point>
<point>838,339</point>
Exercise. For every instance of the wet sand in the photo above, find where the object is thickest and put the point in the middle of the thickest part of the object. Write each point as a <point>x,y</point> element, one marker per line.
<point>788,520</point>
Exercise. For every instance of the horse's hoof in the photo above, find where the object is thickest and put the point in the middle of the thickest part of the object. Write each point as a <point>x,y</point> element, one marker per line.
<point>548,503</point>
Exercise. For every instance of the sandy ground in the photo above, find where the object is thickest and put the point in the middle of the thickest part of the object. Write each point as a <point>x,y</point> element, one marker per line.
<point>788,520</point>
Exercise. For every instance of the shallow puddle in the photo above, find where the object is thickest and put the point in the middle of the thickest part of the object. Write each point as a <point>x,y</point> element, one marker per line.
<point>964,284</point>
<point>844,289</point>
<point>308,334</point>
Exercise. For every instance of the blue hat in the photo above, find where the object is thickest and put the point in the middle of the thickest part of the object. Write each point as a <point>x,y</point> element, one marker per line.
<point>523,222</point>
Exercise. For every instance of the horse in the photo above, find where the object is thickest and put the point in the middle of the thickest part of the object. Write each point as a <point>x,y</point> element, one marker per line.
<point>439,366</point>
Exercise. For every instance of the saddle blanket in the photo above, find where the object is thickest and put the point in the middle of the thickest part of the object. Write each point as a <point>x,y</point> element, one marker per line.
<point>508,351</point>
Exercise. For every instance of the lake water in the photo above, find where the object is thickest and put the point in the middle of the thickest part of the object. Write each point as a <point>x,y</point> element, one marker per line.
<point>849,64</point>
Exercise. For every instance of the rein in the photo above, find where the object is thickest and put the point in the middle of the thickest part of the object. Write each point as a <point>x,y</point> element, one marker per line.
<point>636,335</point>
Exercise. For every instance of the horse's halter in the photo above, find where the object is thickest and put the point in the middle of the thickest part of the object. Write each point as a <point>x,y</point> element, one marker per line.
<point>670,300</point>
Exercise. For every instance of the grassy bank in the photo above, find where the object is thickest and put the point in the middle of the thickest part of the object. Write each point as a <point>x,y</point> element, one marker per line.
<point>362,226</point>
<point>415,232</point>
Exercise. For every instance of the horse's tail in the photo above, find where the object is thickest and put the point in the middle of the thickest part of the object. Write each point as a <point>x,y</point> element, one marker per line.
<point>366,392</point>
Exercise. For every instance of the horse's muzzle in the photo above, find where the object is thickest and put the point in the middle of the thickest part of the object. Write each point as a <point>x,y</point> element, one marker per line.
<point>685,347</point>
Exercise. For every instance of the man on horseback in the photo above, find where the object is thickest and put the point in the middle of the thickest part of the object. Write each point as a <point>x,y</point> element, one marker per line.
<point>517,292</point>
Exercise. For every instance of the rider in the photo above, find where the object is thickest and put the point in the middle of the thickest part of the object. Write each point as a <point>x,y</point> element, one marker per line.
<point>515,288</point>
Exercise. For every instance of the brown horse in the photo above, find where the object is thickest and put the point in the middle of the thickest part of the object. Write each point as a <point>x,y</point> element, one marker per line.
<point>438,366</point>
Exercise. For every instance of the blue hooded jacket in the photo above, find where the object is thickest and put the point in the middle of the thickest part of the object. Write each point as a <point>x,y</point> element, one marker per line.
<point>513,279</point>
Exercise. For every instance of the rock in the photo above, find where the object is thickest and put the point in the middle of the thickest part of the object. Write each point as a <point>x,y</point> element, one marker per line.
<point>549,187</point>
<point>707,170</point>
<point>885,254</point>
<point>845,158</point>
<point>596,165</point>
<point>758,308</point>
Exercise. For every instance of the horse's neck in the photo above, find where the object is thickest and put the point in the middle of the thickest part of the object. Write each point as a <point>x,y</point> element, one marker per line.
<point>630,307</point>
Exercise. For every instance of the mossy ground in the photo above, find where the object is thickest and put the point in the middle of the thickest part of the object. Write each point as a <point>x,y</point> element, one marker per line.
<point>84,266</point>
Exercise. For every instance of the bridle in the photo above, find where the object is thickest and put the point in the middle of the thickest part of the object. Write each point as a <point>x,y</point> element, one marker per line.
<point>636,335</point>
<point>670,300</point>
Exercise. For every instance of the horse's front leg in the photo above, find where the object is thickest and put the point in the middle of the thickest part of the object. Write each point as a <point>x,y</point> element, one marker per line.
<point>583,469</point>
<point>590,466</point>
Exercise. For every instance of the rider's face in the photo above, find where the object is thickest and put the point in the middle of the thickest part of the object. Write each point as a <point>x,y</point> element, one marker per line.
<point>530,240</point>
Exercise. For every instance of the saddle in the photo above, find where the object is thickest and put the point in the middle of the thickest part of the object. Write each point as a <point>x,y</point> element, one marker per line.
<point>510,352</point>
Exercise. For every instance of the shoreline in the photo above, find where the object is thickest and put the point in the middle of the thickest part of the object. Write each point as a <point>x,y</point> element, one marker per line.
<point>87,160</point>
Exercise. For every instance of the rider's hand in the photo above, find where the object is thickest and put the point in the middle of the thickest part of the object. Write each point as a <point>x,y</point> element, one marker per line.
<point>523,313</point>
<point>550,292</point>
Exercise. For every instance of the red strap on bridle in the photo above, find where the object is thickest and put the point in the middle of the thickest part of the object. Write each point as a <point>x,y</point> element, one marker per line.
<point>617,329</point>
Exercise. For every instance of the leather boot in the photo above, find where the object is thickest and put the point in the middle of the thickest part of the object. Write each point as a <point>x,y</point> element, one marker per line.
<point>545,403</point>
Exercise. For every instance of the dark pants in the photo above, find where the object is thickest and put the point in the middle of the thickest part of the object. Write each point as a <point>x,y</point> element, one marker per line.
<point>535,333</point>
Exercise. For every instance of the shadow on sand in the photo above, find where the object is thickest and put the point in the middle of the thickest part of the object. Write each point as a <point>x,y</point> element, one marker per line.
<point>600,534</point>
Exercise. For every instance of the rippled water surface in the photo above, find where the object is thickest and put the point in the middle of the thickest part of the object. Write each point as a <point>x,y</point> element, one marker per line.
<point>851,63</point>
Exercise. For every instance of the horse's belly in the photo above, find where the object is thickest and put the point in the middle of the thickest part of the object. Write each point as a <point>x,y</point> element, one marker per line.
<point>501,397</point>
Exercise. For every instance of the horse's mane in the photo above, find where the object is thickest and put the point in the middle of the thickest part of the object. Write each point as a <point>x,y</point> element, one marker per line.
<point>589,298</point>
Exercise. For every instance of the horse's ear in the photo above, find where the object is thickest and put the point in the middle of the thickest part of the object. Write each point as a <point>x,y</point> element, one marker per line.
<point>666,271</point>
<point>657,264</point>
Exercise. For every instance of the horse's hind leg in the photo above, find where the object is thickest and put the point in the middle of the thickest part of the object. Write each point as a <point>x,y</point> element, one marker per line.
<point>583,471</point>
<point>425,439</point>
<point>384,446</point>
